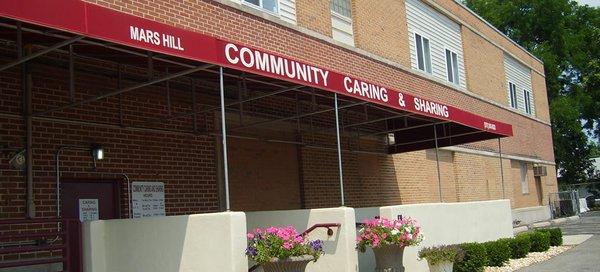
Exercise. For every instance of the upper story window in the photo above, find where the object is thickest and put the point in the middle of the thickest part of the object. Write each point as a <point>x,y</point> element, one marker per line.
<point>269,5</point>
<point>452,67</point>
<point>518,77</point>
<point>284,9</point>
<point>527,98</point>
<point>342,7</point>
<point>512,89</point>
<point>341,21</point>
<point>435,43</point>
<point>423,53</point>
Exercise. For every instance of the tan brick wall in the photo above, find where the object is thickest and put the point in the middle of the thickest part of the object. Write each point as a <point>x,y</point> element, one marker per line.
<point>380,27</point>
<point>484,65</point>
<point>314,15</point>
<point>369,179</point>
<point>532,198</point>
<point>417,184</point>
<point>540,97</point>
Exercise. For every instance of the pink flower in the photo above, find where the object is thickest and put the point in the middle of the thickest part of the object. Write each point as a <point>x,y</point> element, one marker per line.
<point>250,236</point>
<point>272,230</point>
<point>287,245</point>
<point>299,239</point>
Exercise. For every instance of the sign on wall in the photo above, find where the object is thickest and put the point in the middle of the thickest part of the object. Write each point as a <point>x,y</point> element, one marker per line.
<point>109,25</point>
<point>148,199</point>
<point>88,210</point>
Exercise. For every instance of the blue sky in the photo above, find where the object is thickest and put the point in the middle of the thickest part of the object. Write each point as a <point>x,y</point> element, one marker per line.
<point>593,3</point>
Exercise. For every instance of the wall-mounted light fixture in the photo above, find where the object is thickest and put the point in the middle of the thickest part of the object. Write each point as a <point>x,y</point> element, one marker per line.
<point>97,153</point>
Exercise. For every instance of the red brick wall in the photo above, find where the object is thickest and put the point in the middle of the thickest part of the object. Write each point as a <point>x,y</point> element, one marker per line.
<point>270,36</point>
<point>186,161</point>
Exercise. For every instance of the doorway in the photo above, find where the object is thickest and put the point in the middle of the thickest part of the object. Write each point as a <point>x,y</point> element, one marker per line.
<point>91,197</point>
<point>87,200</point>
<point>540,193</point>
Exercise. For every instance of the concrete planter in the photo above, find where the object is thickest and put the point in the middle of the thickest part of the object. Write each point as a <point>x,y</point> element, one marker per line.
<point>292,264</point>
<point>388,258</point>
<point>445,266</point>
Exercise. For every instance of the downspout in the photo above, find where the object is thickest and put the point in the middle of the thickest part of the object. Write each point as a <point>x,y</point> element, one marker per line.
<point>26,83</point>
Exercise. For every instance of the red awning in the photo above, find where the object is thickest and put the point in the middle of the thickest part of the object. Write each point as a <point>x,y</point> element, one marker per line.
<point>452,125</point>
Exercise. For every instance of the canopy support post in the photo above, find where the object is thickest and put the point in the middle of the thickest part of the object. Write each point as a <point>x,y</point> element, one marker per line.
<point>437,161</point>
<point>501,167</point>
<point>224,138</point>
<point>339,149</point>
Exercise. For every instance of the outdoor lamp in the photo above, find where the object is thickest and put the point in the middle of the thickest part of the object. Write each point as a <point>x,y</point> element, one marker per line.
<point>97,152</point>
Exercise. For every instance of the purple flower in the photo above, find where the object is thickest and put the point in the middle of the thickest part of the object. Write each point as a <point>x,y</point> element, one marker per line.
<point>316,245</point>
<point>251,251</point>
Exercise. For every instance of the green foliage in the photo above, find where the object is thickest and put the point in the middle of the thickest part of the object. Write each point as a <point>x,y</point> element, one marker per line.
<point>566,37</point>
<point>570,140</point>
<point>497,252</point>
<point>555,236</point>
<point>474,260</point>
<point>519,246</point>
<point>540,241</point>
<point>435,255</point>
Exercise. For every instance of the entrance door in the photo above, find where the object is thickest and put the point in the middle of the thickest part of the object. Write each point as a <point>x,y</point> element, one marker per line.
<point>90,199</point>
<point>540,192</point>
<point>103,192</point>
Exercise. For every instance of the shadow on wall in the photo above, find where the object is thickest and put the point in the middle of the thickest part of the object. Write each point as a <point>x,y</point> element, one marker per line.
<point>340,255</point>
<point>444,224</point>
<point>212,242</point>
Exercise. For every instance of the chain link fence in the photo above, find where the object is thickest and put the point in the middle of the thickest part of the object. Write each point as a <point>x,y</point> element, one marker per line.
<point>564,204</point>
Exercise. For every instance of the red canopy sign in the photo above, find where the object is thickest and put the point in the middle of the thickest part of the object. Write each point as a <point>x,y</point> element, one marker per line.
<point>106,24</point>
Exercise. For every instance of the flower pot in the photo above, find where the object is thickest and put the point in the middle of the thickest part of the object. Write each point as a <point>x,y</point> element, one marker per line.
<point>292,264</point>
<point>445,266</point>
<point>388,258</point>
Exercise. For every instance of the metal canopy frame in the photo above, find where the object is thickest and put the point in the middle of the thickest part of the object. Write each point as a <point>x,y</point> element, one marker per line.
<point>373,121</point>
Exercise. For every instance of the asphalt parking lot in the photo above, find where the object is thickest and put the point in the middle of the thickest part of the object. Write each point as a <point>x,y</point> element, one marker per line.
<point>584,257</point>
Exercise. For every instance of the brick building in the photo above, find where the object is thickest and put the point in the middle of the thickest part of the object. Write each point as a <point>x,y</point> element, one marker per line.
<point>141,79</point>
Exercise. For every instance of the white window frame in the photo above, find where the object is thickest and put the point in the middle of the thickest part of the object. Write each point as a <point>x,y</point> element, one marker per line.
<point>261,6</point>
<point>527,99</point>
<point>344,27</point>
<point>512,93</point>
<point>452,75</point>
<point>339,14</point>
<point>427,59</point>
<point>524,181</point>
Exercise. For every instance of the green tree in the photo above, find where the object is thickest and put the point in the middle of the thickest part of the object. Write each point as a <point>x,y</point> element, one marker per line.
<point>566,37</point>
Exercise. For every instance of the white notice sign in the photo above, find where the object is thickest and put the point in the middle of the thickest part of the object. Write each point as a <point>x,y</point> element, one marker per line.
<point>88,210</point>
<point>148,199</point>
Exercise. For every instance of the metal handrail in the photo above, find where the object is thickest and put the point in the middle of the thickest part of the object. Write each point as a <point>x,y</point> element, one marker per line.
<point>29,241</point>
<point>323,225</point>
<point>328,226</point>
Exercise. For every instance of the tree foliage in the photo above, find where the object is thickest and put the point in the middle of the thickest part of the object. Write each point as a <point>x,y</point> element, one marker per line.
<point>566,37</point>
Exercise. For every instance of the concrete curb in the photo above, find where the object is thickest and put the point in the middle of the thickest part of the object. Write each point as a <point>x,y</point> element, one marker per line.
<point>545,224</point>
<point>558,221</point>
<point>541,225</point>
<point>520,229</point>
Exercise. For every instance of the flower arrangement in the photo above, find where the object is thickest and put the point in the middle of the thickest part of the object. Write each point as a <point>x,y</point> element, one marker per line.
<point>378,232</point>
<point>438,254</point>
<point>272,244</point>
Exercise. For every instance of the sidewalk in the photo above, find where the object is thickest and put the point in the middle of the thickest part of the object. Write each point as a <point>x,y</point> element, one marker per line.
<point>585,257</point>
